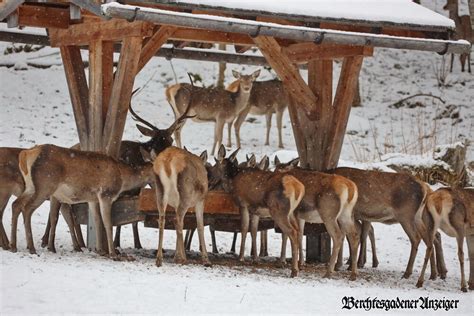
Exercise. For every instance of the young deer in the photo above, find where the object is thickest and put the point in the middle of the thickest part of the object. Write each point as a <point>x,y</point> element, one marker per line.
<point>266,98</point>
<point>463,31</point>
<point>452,211</point>
<point>181,182</point>
<point>12,184</point>
<point>211,104</point>
<point>262,193</point>
<point>329,199</point>
<point>72,176</point>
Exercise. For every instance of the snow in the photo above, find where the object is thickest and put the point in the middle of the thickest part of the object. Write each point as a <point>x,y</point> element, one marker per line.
<point>35,109</point>
<point>395,11</point>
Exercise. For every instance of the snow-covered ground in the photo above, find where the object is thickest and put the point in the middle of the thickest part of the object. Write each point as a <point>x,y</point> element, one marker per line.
<point>35,109</point>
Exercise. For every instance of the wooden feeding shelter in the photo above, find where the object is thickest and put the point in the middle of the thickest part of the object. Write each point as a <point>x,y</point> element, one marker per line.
<point>288,34</point>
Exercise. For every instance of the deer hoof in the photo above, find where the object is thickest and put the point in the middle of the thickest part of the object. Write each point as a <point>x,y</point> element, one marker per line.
<point>419,284</point>
<point>159,262</point>
<point>6,246</point>
<point>375,264</point>
<point>44,243</point>
<point>464,289</point>
<point>52,249</point>
<point>294,273</point>
<point>207,263</point>
<point>13,249</point>
<point>353,277</point>
<point>471,286</point>
<point>433,277</point>
<point>179,260</point>
<point>406,275</point>
<point>33,251</point>
<point>77,249</point>
<point>328,275</point>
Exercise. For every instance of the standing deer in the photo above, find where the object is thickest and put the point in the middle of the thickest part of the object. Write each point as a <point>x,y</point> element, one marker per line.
<point>463,31</point>
<point>262,193</point>
<point>73,176</point>
<point>389,198</point>
<point>130,154</point>
<point>452,211</point>
<point>266,98</point>
<point>12,184</point>
<point>181,182</point>
<point>211,104</point>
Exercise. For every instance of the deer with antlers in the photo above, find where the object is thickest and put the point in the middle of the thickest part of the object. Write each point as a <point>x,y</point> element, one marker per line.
<point>266,98</point>
<point>211,104</point>
<point>261,193</point>
<point>452,211</point>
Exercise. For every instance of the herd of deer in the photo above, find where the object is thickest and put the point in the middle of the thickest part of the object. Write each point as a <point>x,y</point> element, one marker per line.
<point>345,200</point>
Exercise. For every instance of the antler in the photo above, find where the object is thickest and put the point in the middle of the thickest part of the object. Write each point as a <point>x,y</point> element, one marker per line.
<point>138,118</point>
<point>184,116</point>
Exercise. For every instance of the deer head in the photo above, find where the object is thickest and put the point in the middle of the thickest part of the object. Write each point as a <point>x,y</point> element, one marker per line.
<point>225,169</point>
<point>246,81</point>
<point>287,166</point>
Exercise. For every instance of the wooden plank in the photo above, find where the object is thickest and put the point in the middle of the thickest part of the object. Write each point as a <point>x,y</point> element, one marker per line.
<point>121,94</point>
<point>77,84</point>
<point>288,74</point>
<point>342,107</point>
<point>112,30</point>
<point>107,75</point>
<point>154,43</point>
<point>207,36</point>
<point>95,95</point>
<point>90,6</point>
<point>43,16</point>
<point>216,203</point>
<point>303,52</point>
<point>8,6</point>
<point>12,19</point>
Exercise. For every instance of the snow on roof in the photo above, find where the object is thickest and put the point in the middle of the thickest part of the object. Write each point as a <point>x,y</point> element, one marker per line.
<point>403,12</point>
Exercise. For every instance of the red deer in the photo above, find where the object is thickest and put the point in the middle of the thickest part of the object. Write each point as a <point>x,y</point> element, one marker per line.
<point>181,182</point>
<point>259,192</point>
<point>73,176</point>
<point>12,184</point>
<point>389,198</point>
<point>463,31</point>
<point>266,98</point>
<point>452,211</point>
<point>211,104</point>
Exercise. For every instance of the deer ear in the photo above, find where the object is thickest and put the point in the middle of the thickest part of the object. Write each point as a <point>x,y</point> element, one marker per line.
<point>203,156</point>
<point>221,153</point>
<point>145,155</point>
<point>236,74</point>
<point>233,156</point>
<point>264,163</point>
<point>146,131</point>
<point>277,161</point>
<point>256,74</point>
<point>153,154</point>
<point>252,161</point>
<point>294,162</point>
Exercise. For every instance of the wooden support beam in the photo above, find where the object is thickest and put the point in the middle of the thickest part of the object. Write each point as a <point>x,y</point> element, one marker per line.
<point>154,44</point>
<point>206,36</point>
<point>12,19</point>
<point>121,94</point>
<point>77,84</point>
<point>304,52</point>
<point>288,74</point>
<point>43,16</point>
<point>113,30</point>
<point>342,107</point>
<point>75,12</point>
<point>95,95</point>
<point>107,75</point>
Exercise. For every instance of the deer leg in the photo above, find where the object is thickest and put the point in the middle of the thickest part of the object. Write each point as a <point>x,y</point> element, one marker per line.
<point>244,213</point>
<point>188,238</point>
<point>301,223</point>
<point>469,62</point>
<point>213,239</point>
<point>414,241</point>
<point>218,130</point>
<point>253,232</point>
<point>199,210</point>
<point>45,238</point>
<point>288,230</point>
<point>238,123</point>
<point>78,231</point>
<point>4,242</point>
<point>28,210</point>
<point>470,248</point>
<point>452,63</point>
<point>136,236</point>
<point>229,134</point>
<point>54,207</point>
<point>337,237</point>
<point>94,208</point>
<point>234,241</point>
<point>263,243</point>
<point>348,226</point>
<point>460,241</point>
<point>279,118</point>
<point>106,213</point>
<point>440,264</point>
<point>180,255</point>
<point>284,240</point>
<point>429,249</point>
<point>375,260</point>
<point>268,117</point>
<point>364,232</point>
<point>462,59</point>
<point>17,208</point>
<point>66,211</point>
<point>118,232</point>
